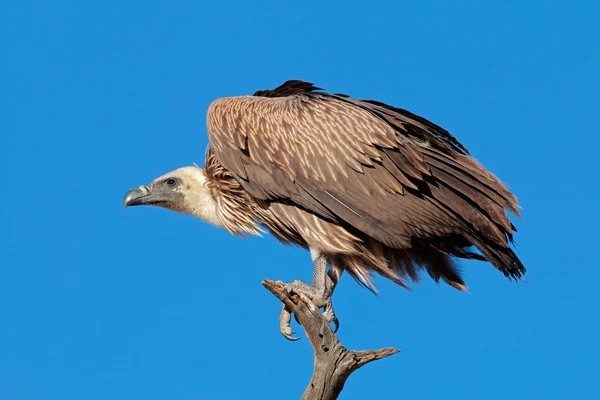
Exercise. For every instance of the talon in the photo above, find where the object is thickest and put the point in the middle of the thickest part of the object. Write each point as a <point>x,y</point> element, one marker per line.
<point>290,337</point>
<point>330,316</point>
<point>336,324</point>
<point>284,325</point>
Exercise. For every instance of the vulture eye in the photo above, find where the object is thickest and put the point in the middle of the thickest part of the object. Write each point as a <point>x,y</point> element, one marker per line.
<point>170,182</point>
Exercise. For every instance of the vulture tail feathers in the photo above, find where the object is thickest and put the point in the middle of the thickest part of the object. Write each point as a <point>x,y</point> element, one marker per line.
<point>485,237</point>
<point>503,258</point>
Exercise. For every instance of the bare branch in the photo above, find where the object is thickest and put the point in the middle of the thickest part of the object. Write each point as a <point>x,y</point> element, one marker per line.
<point>333,362</point>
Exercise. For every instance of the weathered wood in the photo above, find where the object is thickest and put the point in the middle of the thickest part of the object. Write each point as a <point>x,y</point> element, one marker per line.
<point>333,362</point>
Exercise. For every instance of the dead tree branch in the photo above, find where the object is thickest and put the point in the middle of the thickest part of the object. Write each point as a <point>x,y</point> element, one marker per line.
<point>333,362</point>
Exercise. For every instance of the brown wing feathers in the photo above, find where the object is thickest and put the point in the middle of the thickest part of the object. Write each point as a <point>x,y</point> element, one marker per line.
<point>395,176</point>
<point>467,191</point>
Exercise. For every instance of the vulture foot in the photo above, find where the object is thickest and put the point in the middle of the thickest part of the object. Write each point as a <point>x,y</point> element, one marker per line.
<point>308,294</point>
<point>319,294</point>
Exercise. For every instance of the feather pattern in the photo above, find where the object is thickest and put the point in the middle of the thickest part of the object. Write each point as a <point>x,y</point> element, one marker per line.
<point>379,188</point>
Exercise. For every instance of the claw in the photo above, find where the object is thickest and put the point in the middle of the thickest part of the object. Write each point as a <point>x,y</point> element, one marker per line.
<point>290,337</point>
<point>336,324</point>
<point>330,316</point>
<point>284,324</point>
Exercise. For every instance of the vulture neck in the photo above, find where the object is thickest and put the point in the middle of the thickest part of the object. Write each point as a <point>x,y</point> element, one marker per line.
<point>201,202</point>
<point>227,204</point>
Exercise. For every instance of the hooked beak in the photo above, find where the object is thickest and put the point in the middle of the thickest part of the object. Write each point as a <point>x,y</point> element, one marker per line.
<point>137,196</point>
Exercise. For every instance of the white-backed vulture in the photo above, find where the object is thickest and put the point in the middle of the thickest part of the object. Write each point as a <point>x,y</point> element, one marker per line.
<point>366,187</point>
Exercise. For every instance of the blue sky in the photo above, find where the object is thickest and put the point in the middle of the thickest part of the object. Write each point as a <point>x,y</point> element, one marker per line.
<point>102,303</point>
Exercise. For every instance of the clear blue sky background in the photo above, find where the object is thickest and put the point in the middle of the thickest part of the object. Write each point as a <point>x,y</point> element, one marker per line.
<point>98,97</point>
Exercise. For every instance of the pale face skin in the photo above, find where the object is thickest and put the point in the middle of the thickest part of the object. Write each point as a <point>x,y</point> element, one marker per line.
<point>183,190</point>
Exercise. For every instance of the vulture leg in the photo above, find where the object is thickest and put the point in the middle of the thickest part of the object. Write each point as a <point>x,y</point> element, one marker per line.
<point>319,293</point>
<point>334,274</point>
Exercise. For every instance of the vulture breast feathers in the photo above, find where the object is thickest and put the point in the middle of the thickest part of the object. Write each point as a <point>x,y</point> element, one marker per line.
<point>366,166</point>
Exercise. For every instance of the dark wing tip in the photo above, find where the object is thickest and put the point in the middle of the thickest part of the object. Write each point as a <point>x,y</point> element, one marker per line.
<point>288,88</point>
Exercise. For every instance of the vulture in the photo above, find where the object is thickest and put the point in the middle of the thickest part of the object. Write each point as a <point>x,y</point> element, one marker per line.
<point>365,187</point>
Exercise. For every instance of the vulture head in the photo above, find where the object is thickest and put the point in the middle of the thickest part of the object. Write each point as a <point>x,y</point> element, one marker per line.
<point>183,190</point>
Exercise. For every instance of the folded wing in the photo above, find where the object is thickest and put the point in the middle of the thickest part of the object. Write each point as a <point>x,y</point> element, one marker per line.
<point>384,171</point>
